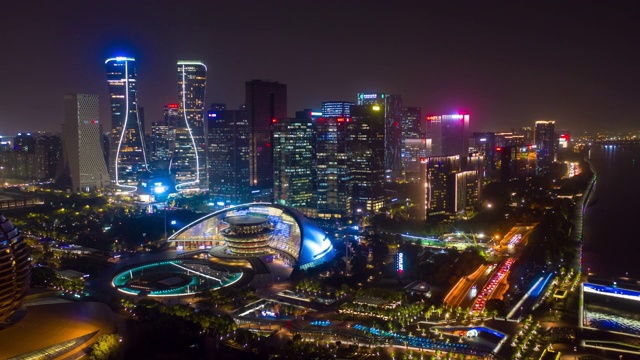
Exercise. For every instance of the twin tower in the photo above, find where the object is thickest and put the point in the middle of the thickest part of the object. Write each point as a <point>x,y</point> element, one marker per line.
<point>128,159</point>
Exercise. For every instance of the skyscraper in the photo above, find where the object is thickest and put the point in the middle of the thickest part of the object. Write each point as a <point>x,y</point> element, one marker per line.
<point>333,180</point>
<point>228,156</point>
<point>467,191</point>
<point>450,134</point>
<point>127,156</point>
<point>545,139</point>
<point>440,183</point>
<point>162,141</point>
<point>391,106</point>
<point>365,156</point>
<point>414,144</point>
<point>188,163</point>
<point>293,145</point>
<point>82,143</point>
<point>265,101</point>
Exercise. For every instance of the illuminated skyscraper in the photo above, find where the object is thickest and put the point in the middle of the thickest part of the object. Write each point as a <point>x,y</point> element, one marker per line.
<point>265,101</point>
<point>188,164</point>
<point>545,139</point>
<point>450,134</point>
<point>293,144</point>
<point>333,181</point>
<point>82,143</point>
<point>127,156</point>
<point>228,156</point>
<point>440,182</point>
<point>467,191</point>
<point>414,144</point>
<point>162,140</point>
<point>365,150</point>
<point>391,106</point>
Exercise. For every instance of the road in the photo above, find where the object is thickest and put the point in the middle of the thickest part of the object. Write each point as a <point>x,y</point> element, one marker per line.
<point>461,293</point>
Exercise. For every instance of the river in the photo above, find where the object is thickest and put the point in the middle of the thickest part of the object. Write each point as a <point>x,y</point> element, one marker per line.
<point>611,230</point>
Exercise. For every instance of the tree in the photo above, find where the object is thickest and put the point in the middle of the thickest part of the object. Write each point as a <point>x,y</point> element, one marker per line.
<point>106,347</point>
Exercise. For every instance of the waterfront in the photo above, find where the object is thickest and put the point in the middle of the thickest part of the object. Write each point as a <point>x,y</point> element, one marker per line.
<point>611,241</point>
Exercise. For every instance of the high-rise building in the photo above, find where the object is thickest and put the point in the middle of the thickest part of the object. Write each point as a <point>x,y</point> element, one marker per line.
<point>14,269</point>
<point>440,183</point>
<point>188,163</point>
<point>365,157</point>
<point>162,141</point>
<point>516,162</point>
<point>228,156</point>
<point>30,156</point>
<point>82,143</point>
<point>484,145</point>
<point>265,101</point>
<point>19,159</point>
<point>391,106</point>
<point>467,191</point>
<point>414,144</point>
<point>127,155</point>
<point>415,151</point>
<point>336,108</point>
<point>412,123</point>
<point>49,153</point>
<point>545,140</point>
<point>333,180</point>
<point>171,115</point>
<point>293,145</point>
<point>450,134</point>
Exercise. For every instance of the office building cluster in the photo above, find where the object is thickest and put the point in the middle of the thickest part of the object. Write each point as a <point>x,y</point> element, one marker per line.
<point>332,162</point>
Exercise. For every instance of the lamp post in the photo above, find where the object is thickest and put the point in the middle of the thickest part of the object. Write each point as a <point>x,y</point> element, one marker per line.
<point>165,223</point>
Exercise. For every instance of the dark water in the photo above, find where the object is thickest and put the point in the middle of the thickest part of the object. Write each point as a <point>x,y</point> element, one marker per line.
<point>612,224</point>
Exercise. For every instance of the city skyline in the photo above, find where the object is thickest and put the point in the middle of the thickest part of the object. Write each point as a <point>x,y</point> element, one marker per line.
<point>507,65</point>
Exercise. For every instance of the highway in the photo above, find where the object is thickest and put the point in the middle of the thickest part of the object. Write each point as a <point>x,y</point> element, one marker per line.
<point>461,294</point>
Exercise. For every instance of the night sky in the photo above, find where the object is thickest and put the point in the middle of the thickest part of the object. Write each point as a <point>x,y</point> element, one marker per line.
<point>506,63</point>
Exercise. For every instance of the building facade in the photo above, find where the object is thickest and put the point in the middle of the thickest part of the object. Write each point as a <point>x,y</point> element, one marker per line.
<point>293,149</point>
<point>82,143</point>
<point>467,192</point>
<point>265,101</point>
<point>545,140</point>
<point>333,179</point>
<point>449,133</point>
<point>127,151</point>
<point>365,157</point>
<point>188,163</point>
<point>440,183</point>
<point>228,156</point>
<point>391,106</point>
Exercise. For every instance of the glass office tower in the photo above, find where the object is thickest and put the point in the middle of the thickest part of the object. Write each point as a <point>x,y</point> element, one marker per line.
<point>127,156</point>
<point>188,165</point>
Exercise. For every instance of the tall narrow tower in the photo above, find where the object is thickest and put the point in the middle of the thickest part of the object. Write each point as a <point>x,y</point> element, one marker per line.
<point>127,156</point>
<point>265,101</point>
<point>188,164</point>
<point>545,139</point>
<point>82,141</point>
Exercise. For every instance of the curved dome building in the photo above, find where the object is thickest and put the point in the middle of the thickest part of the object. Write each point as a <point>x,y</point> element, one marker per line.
<point>14,269</point>
<point>259,229</point>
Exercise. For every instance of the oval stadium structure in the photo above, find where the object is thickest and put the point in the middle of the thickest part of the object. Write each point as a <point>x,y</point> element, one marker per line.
<point>258,229</point>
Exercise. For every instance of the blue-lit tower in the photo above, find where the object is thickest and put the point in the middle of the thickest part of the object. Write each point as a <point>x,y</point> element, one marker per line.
<point>127,156</point>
